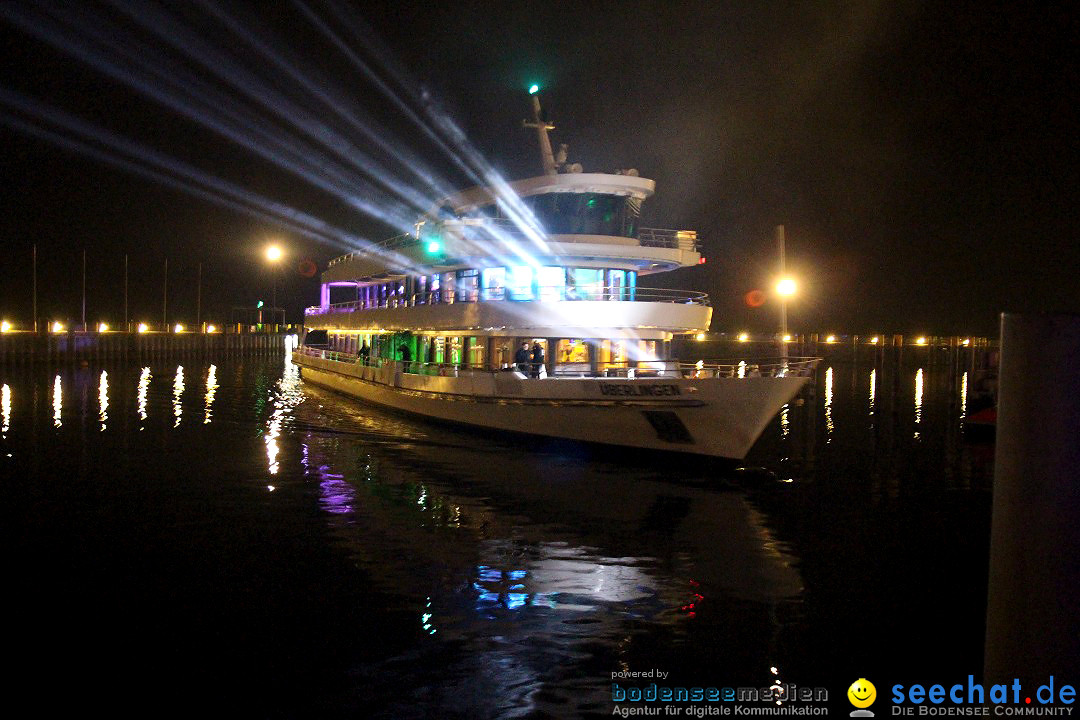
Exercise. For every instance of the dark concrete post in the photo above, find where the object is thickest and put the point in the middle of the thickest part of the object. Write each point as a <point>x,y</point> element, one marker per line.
<point>1033,599</point>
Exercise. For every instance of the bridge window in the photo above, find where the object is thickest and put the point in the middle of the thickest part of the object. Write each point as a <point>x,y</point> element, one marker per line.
<point>586,213</point>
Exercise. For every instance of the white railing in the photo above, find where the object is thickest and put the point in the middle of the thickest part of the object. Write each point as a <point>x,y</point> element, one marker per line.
<point>770,367</point>
<point>503,228</point>
<point>554,293</point>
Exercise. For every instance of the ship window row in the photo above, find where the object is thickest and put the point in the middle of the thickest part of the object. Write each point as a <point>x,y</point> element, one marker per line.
<point>427,354</point>
<point>581,213</point>
<point>519,283</point>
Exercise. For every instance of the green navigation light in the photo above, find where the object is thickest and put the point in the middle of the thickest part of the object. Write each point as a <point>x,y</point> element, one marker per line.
<point>533,89</point>
<point>259,304</point>
<point>434,246</point>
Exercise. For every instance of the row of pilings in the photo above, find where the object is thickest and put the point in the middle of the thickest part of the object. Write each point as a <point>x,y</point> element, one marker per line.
<point>27,348</point>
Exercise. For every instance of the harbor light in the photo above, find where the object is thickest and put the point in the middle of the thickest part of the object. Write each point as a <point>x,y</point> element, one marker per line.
<point>58,327</point>
<point>142,327</point>
<point>699,337</point>
<point>744,337</point>
<point>830,339</point>
<point>874,340</point>
<point>920,341</point>
<point>785,287</point>
<point>103,327</point>
<point>179,328</point>
<point>273,253</point>
<point>5,326</point>
<point>787,338</point>
<point>211,328</point>
<point>967,341</point>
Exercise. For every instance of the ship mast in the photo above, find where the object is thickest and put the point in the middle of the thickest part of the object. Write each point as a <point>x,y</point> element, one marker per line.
<point>542,127</point>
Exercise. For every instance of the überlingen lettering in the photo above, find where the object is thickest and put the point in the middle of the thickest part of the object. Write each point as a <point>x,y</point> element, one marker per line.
<point>628,389</point>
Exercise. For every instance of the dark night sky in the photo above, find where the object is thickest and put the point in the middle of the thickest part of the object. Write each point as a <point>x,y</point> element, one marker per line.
<point>922,155</point>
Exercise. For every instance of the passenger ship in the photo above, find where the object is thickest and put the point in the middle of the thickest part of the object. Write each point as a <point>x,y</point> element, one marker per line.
<point>431,322</point>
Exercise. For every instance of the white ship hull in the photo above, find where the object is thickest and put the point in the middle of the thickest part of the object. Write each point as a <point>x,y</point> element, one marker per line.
<point>716,417</point>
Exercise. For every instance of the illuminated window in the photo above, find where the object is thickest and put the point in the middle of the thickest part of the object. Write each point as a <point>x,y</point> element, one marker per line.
<point>552,281</point>
<point>454,349</point>
<point>448,287</point>
<point>519,283</point>
<point>584,284</point>
<point>477,346</point>
<point>434,286</point>
<point>468,285</point>
<point>616,284</point>
<point>494,282</point>
<point>572,350</point>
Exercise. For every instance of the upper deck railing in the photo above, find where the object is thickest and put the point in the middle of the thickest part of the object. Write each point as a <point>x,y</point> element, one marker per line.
<point>558,293</point>
<point>504,228</point>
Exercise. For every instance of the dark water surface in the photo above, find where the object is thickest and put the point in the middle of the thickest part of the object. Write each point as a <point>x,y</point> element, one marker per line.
<point>229,538</point>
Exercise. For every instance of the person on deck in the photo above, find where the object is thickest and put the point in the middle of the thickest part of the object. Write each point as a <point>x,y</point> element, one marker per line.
<point>537,359</point>
<point>522,358</point>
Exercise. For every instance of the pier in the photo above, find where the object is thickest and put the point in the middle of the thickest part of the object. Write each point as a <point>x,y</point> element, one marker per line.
<point>974,353</point>
<point>71,346</point>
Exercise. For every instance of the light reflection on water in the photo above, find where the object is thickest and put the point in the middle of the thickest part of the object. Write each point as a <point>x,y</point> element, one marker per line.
<point>5,409</point>
<point>57,402</point>
<point>513,577</point>
<point>829,427</point>
<point>211,391</point>
<point>144,385</point>
<point>103,399</point>
<point>178,394</point>
<point>918,400</point>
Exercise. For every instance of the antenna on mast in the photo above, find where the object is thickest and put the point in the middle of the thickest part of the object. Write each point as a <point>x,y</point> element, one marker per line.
<point>542,127</point>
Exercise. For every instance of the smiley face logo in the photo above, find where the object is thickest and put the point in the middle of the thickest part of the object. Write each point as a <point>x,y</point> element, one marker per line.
<point>862,693</point>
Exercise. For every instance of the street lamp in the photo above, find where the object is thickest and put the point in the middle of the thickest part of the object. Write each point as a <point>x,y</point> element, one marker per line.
<point>785,288</point>
<point>273,256</point>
